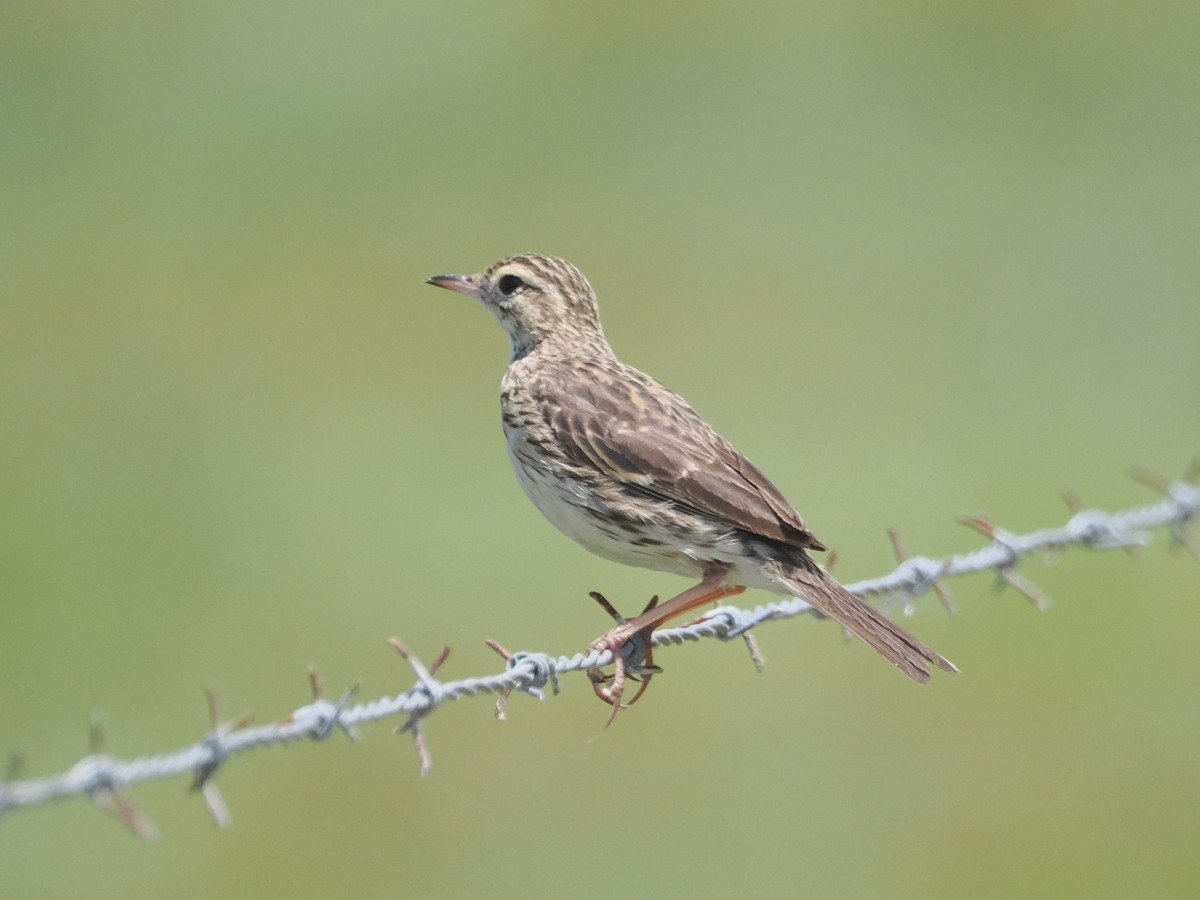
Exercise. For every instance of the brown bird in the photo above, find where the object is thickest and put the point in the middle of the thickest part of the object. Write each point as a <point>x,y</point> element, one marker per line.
<point>630,471</point>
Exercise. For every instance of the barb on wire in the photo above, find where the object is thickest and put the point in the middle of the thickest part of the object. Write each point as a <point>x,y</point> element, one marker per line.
<point>102,777</point>
<point>427,683</point>
<point>202,781</point>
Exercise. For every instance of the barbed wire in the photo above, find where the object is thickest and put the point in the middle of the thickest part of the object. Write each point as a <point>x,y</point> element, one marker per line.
<point>102,777</point>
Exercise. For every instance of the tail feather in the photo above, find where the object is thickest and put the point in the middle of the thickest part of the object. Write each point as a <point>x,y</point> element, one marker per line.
<point>900,648</point>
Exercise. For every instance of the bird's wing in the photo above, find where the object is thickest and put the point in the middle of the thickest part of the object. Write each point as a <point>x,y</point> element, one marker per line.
<point>648,438</point>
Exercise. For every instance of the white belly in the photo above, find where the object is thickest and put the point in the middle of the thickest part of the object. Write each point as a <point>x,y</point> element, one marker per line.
<point>571,506</point>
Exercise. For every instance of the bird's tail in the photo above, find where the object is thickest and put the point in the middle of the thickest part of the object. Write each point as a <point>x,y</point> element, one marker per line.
<point>811,582</point>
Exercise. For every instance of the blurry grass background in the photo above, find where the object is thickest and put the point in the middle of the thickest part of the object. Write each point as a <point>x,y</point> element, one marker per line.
<point>915,259</point>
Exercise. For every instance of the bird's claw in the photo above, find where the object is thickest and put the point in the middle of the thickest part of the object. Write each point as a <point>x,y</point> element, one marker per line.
<point>610,688</point>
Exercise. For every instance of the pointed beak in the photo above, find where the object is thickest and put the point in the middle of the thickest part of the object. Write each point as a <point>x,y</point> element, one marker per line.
<point>463,284</point>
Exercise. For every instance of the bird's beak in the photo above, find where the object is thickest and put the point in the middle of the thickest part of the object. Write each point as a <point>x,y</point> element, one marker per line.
<point>464,284</point>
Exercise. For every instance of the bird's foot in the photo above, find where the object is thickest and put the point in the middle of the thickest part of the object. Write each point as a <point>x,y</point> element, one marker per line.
<point>637,632</point>
<point>638,664</point>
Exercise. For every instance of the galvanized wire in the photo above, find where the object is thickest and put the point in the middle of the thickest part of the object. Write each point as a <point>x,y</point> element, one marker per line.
<point>102,777</point>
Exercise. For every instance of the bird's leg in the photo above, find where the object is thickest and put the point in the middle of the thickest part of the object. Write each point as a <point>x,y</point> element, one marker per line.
<point>708,590</point>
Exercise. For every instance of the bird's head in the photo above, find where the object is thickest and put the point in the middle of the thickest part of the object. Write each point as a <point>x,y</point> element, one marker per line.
<point>538,299</point>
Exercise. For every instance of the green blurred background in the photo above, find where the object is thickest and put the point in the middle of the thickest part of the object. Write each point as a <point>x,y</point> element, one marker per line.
<point>915,259</point>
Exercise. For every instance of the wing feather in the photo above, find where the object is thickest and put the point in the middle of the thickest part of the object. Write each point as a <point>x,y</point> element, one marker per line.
<point>644,436</point>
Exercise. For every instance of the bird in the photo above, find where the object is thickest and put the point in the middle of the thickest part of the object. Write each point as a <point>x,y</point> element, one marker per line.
<point>629,470</point>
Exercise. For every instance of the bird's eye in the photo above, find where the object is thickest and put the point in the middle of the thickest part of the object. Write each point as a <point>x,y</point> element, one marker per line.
<point>509,284</point>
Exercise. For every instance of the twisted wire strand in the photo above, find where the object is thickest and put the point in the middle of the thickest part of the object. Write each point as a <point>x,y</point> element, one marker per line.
<point>101,776</point>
